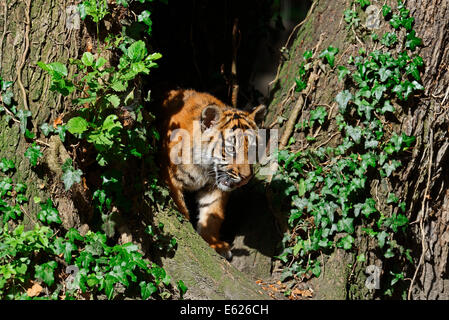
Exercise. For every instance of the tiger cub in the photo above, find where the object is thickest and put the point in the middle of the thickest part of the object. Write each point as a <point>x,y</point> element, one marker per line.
<point>202,139</point>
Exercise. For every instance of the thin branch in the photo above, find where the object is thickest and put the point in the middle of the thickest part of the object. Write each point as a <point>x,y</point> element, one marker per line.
<point>24,54</point>
<point>423,215</point>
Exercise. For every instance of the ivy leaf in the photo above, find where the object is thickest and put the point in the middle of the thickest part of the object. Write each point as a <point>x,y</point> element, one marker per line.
<point>45,272</point>
<point>319,114</point>
<point>392,198</point>
<point>6,165</point>
<point>7,97</point>
<point>396,21</point>
<point>46,129</point>
<point>147,289</point>
<point>384,74</point>
<point>342,72</point>
<point>329,54</point>
<point>386,10</point>
<point>48,213</point>
<point>381,236</point>
<point>346,242</point>
<point>389,39</point>
<point>308,54</point>
<point>343,98</point>
<point>33,153</point>
<point>364,3</point>
<point>182,288</point>
<point>412,41</point>
<point>70,176</point>
<point>354,132</point>
<point>378,91</point>
<point>23,116</point>
<point>73,235</point>
<point>346,224</point>
<point>390,167</point>
<point>387,107</point>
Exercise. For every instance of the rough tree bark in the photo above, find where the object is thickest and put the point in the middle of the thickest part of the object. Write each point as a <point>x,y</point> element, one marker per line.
<point>33,31</point>
<point>423,181</point>
<point>49,31</point>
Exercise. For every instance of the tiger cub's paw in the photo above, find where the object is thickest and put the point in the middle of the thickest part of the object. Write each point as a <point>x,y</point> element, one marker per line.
<point>223,249</point>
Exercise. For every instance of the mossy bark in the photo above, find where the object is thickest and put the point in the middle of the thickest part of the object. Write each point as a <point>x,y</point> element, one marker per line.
<point>206,274</point>
<point>426,119</point>
<point>33,31</point>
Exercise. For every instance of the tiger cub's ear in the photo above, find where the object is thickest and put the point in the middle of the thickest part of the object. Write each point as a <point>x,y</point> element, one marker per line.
<point>258,114</point>
<point>210,116</point>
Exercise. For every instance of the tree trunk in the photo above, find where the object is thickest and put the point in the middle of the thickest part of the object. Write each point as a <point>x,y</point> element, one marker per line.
<point>51,31</point>
<point>33,31</point>
<point>422,180</point>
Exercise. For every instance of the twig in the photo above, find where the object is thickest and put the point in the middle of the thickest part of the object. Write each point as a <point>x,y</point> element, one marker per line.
<point>24,54</point>
<point>42,142</point>
<point>235,47</point>
<point>299,104</point>
<point>290,125</point>
<point>5,14</point>
<point>423,214</point>
<point>10,113</point>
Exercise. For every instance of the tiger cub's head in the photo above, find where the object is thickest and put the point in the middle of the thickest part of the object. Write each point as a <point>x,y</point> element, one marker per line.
<point>229,144</point>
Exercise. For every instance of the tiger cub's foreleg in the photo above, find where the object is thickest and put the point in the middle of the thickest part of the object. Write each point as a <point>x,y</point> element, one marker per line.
<point>176,192</point>
<point>211,205</point>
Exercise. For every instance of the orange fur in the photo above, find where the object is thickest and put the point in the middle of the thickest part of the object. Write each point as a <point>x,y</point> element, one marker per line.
<point>212,182</point>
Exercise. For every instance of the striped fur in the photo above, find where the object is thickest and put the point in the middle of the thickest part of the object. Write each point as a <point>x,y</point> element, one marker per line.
<point>216,175</point>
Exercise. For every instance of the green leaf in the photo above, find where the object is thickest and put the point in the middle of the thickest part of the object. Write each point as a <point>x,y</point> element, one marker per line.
<point>412,41</point>
<point>182,288</point>
<point>387,107</point>
<point>147,289</point>
<point>395,21</point>
<point>46,129</point>
<point>342,72</point>
<point>48,214</point>
<point>343,98</point>
<point>137,51</point>
<point>100,62</point>
<point>308,54</point>
<point>33,153</point>
<point>389,39</point>
<point>378,91</point>
<point>113,99</point>
<point>6,165</point>
<point>354,132</point>
<point>23,116</point>
<point>386,10</point>
<point>45,272</point>
<point>145,18</point>
<point>346,242</point>
<point>381,236</point>
<point>364,3</point>
<point>346,224</point>
<point>318,114</point>
<point>87,59</point>
<point>392,198</point>
<point>329,54</point>
<point>70,175</point>
<point>77,125</point>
